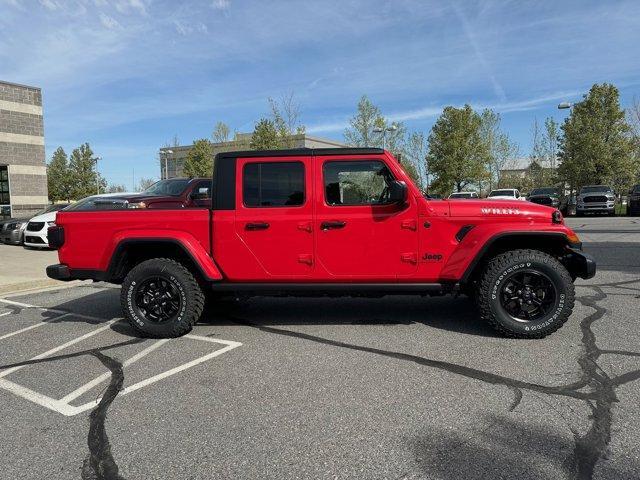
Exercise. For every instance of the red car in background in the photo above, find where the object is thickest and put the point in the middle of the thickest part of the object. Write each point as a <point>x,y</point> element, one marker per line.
<point>165,194</point>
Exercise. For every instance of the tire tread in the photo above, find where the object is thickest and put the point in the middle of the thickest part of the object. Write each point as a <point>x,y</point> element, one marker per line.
<point>504,260</point>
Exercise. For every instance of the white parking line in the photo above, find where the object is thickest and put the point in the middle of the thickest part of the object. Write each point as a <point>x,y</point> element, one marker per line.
<point>31,327</point>
<point>48,353</point>
<point>52,310</point>
<point>105,376</point>
<point>62,405</point>
<point>5,313</point>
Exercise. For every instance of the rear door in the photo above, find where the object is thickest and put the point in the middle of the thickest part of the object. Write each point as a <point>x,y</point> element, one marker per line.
<point>360,235</point>
<point>273,221</point>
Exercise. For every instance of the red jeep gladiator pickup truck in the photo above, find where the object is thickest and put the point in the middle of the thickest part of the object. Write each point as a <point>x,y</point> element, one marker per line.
<point>326,222</point>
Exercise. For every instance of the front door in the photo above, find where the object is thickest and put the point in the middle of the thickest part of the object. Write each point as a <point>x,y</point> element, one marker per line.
<point>360,234</point>
<point>273,220</point>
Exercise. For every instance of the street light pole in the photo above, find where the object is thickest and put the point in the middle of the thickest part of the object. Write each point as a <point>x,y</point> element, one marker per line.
<point>384,131</point>
<point>97,176</point>
<point>164,153</point>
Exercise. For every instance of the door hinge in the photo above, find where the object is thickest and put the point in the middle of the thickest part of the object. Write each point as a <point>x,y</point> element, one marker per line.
<point>305,258</point>
<point>409,257</point>
<point>409,224</point>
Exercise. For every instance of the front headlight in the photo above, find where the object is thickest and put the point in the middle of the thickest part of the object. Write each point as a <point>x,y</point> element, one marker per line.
<point>51,224</point>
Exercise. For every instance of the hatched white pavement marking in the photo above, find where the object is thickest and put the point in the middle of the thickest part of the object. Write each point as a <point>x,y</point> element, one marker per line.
<point>63,407</point>
<point>31,327</point>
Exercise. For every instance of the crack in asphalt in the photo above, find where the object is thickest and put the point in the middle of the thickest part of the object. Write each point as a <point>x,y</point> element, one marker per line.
<point>100,464</point>
<point>600,388</point>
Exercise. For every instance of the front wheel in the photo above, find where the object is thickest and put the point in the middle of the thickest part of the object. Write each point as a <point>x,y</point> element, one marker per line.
<point>161,298</point>
<point>525,294</point>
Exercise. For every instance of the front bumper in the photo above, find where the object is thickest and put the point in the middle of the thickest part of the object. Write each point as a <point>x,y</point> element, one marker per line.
<point>36,239</point>
<point>596,207</point>
<point>13,237</point>
<point>580,264</point>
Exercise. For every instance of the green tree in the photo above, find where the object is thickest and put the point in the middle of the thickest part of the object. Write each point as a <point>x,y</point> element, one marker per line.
<point>285,115</point>
<point>415,153</point>
<point>85,179</point>
<point>199,161</point>
<point>266,136</point>
<point>59,179</point>
<point>458,155</point>
<point>360,131</point>
<point>221,133</point>
<point>596,146</point>
<point>501,148</point>
<point>115,188</point>
<point>145,183</point>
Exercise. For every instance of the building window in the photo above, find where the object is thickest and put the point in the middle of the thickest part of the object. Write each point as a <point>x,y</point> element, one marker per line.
<point>273,184</point>
<point>5,207</point>
<point>363,182</point>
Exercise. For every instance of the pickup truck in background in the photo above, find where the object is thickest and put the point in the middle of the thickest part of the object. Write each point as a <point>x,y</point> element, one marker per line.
<point>164,194</point>
<point>325,222</point>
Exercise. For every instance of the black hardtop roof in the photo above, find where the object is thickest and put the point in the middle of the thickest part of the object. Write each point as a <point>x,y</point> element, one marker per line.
<point>301,151</point>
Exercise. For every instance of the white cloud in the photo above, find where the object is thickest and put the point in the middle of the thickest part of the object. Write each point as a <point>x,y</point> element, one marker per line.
<point>109,22</point>
<point>221,4</point>
<point>127,6</point>
<point>50,4</point>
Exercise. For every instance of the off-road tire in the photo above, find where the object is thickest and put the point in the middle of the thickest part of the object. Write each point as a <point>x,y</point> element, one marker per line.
<point>497,272</point>
<point>190,293</point>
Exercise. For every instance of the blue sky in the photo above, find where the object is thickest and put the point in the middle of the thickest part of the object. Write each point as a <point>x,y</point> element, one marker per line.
<point>128,75</point>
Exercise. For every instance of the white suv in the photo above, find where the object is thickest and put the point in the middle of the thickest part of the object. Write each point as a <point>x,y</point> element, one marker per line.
<point>506,194</point>
<point>35,235</point>
<point>463,195</point>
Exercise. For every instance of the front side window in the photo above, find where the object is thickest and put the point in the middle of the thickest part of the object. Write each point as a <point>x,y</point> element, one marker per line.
<point>364,182</point>
<point>273,184</point>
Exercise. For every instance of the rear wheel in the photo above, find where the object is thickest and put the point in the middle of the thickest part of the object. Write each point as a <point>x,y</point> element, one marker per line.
<point>525,294</point>
<point>161,298</point>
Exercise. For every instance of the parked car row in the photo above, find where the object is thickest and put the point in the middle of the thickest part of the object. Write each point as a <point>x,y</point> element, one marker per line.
<point>590,199</point>
<point>171,193</point>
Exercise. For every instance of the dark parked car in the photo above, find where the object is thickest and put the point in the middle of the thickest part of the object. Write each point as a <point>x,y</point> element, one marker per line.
<point>548,196</point>
<point>12,230</point>
<point>633,204</point>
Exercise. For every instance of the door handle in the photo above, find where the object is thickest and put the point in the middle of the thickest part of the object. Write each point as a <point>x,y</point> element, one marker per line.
<point>332,225</point>
<point>256,226</point>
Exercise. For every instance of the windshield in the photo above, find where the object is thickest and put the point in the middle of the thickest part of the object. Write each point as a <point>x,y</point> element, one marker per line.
<point>461,195</point>
<point>502,193</point>
<point>55,207</point>
<point>544,191</point>
<point>172,188</point>
<point>596,189</point>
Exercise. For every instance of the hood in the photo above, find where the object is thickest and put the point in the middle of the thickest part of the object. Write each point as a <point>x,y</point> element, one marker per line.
<point>45,217</point>
<point>544,195</point>
<point>499,208</point>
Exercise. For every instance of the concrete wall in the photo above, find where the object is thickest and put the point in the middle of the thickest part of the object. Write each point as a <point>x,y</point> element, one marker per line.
<point>22,147</point>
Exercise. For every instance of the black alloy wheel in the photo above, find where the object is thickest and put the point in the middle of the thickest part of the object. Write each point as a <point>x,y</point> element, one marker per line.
<point>528,295</point>
<point>158,299</point>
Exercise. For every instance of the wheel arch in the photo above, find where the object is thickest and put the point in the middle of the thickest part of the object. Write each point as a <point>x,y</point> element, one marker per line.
<point>553,243</point>
<point>130,252</point>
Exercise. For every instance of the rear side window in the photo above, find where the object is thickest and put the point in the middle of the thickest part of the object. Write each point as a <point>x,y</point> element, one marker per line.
<point>273,184</point>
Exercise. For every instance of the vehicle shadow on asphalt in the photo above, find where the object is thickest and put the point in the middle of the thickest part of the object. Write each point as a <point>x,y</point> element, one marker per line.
<point>509,447</point>
<point>447,313</point>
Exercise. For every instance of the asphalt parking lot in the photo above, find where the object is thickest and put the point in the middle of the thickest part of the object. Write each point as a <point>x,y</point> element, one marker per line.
<point>398,387</point>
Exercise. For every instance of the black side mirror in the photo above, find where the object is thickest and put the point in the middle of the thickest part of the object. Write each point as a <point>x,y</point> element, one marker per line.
<point>397,192</point>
